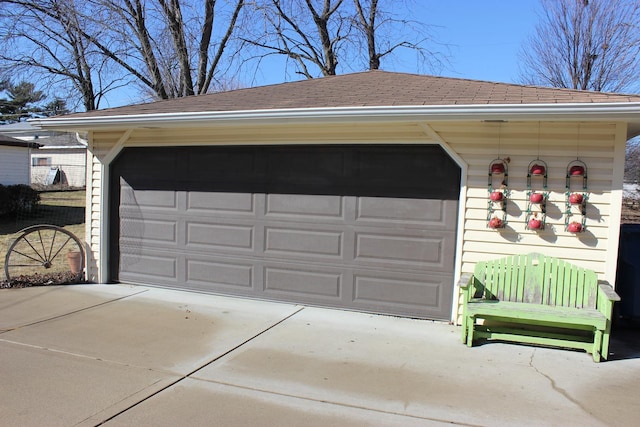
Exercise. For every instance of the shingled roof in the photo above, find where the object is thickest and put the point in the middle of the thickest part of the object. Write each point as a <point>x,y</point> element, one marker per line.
<point>8,141</point>
<point>368,89</point>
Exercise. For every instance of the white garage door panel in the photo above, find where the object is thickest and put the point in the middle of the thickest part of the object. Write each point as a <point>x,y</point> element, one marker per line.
<point>304,207</point>
<point>319,283</point>
<point>404,290</point>
<point>407,213</point>
<point>220,236</point>
<point>223,203</point>
<point>225,273</point>
<point>288,242</point>
<point>140,265</point>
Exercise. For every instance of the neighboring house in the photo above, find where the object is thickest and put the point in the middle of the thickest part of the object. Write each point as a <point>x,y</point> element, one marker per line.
<point>25,131</point>
<point>368,191</point>
<point>61,160</point>
<point>15,158</point>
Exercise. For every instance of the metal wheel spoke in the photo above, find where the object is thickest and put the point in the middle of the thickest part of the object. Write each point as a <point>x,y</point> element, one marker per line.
<point>34,249</point>
<point>25,265</point>
<point>59,250</point>
<point>44,251</point>
<point>39,261</point>
<point>53,241</point>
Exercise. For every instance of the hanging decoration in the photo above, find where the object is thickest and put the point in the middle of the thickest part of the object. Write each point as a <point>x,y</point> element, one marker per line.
<point>537,193</point>
<point>498,190</point>
<point>576,196</point>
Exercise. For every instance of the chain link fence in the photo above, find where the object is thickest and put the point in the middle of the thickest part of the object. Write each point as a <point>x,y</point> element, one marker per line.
<point>58,177</point>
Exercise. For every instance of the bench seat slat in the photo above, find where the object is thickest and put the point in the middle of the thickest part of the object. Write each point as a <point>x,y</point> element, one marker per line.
<point>535,312</point>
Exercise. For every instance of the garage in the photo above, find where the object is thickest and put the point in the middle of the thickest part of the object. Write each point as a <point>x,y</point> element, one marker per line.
<point>370,228</point>
<point>341,191</point>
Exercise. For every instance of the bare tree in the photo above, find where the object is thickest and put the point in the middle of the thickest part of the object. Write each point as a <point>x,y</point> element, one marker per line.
<point>384,33</point>
<point>173,50</point>
<point>585,44</point>
<point>632,161</point>
<point>167,48</point>
<point>45,40</point>
<point>307,34</point>
<point>322,37</point>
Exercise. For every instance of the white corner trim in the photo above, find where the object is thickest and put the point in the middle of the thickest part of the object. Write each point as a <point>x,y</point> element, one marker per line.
<point>115,150</point>
<point>431,132</point>
<point>462,207</point>
<point>104,204</point>
<point>611,263</point>
<point>104,223</point>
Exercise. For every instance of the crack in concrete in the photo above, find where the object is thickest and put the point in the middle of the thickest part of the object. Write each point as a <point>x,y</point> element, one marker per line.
<point>192,373</point>
<point>59,316</point>
<point>336,403</point>
<point>557,388</point>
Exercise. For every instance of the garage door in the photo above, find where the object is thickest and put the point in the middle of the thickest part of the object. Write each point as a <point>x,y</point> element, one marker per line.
<point>369,228</point>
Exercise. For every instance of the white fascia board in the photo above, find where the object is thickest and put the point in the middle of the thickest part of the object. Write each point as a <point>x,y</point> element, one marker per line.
<point>628,112</point>
<point>62,147</point>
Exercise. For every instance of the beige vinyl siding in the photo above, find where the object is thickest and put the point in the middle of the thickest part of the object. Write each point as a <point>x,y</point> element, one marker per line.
<point>557,144</point>
<point>476,143</point>
<point>316,134</point>
<point>92,216</point>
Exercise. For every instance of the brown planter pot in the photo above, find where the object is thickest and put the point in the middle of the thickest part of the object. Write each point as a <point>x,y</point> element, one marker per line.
<point>75,262</point>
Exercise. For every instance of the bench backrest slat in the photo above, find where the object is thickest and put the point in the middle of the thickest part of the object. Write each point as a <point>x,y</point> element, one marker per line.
<point>536,279</point>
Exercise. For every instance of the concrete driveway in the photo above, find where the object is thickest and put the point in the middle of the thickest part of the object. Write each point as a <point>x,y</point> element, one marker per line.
<point>119,355</point>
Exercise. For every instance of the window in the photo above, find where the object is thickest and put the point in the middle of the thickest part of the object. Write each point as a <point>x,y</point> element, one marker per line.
<point>41,161</point>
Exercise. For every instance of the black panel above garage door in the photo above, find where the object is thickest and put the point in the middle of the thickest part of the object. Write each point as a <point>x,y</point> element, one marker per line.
<point>369,228</point>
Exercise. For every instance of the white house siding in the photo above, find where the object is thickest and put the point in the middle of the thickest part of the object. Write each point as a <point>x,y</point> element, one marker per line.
<point>71,161</point>
<point>14,165</point>
<point>599,145</point>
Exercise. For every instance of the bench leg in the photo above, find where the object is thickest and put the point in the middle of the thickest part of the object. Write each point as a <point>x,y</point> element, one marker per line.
<point>470,324</point>
<point>605,341</point>
<point>464,330</point>
<point>597,345</point>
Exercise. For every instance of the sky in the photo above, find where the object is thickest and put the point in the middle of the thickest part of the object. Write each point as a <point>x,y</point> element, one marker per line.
<point>485,36</point>
<point>482,38</point>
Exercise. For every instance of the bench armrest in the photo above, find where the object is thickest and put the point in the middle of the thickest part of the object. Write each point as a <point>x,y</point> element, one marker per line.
<point>465,280</point>
<point>608,291</point>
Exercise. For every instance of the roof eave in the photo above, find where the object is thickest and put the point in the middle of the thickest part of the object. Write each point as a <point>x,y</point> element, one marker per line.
<point>627,112</point>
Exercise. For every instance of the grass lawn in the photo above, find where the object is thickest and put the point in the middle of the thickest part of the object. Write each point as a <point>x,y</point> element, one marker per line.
<point>61,208</point>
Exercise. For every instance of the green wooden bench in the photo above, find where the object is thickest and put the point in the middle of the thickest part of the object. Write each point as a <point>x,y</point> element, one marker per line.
<point>536,299</point>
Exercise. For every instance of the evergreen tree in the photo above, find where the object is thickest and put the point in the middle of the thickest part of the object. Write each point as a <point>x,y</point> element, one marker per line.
<point>21,101</point>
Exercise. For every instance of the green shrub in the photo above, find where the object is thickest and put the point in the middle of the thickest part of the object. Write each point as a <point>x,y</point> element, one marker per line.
<point>18,199</point>
<point>5,200</point>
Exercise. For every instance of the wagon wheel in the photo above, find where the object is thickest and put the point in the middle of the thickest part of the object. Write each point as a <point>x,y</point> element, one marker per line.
<point>45,255</point>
